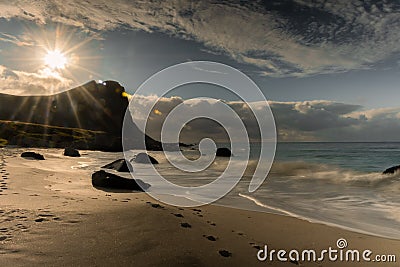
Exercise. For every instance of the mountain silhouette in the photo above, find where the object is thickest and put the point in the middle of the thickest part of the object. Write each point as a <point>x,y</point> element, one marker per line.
<point>90,116</point>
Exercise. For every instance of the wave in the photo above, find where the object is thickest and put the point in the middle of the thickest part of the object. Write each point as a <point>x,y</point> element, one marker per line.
<point>263,205</point>
<point>331,173</point>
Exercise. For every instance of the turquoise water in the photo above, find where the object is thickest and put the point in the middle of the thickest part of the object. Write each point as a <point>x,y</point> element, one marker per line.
<point>334,183</point>
<point>368,157</point>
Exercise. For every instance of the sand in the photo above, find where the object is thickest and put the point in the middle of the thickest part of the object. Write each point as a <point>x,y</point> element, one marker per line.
<point>50,215</point>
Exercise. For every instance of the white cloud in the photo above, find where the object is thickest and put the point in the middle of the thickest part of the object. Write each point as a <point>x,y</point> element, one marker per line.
<point>323,37</point>
<point>43,82</point>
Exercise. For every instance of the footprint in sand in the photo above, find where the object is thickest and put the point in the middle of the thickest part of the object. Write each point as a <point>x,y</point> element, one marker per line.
<point>211,223</point>
<point>186,225</point>
<point>178,215</point>
<point>210,237</point>
<point>156,206</point>
<point>225,253</point>
<point>255,246</point>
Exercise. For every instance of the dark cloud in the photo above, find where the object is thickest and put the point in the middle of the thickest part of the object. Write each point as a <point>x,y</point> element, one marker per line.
<point>296,121</point>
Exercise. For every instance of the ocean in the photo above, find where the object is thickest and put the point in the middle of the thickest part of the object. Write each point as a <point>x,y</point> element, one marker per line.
<point>339,184</point>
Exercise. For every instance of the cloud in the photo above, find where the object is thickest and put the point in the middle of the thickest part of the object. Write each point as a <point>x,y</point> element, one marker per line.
<point>19,41</point>
<point>282,38</point>
<point>316,120</point>
<point>43,82</point>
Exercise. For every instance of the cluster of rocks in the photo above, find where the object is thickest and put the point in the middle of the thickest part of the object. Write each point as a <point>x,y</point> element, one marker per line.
<point>69,152</point>
<point>109,181</point>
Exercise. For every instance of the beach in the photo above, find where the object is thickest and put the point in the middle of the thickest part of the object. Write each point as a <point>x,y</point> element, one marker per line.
<point>51,215</point>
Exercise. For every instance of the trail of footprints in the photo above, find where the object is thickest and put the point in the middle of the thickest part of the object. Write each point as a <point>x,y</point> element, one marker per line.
<point>15,221</point>
<point>3,176</point>
<point>11,222</point>
<point>222,252</point>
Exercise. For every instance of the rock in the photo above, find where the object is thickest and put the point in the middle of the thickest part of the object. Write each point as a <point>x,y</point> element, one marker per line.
<point>120,165</point>
<point>32,155</point>
<point>103,179</point>
<point>144,158</point>
<point>392,170</point>
<point>71,152</point>
<point>223,152</point>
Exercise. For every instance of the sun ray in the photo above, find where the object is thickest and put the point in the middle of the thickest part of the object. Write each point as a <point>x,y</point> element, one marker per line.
<point>74,110</point>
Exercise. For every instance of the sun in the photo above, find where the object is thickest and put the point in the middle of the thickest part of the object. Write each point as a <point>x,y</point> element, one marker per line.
<point>55,60</point>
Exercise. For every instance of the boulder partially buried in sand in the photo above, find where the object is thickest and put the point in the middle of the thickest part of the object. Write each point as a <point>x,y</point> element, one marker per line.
<point>120,165</point>
<point>32,155</point>
<point>102,179</point>
<point>392,170</point>
<point>71,152</point>
<point>223,152</point>
<point>144,158</point>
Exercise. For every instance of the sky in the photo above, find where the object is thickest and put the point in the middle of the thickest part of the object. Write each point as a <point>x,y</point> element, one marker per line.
<point>330,69</point>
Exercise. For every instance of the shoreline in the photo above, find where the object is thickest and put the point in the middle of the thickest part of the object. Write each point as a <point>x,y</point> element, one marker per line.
<point>53,216</point>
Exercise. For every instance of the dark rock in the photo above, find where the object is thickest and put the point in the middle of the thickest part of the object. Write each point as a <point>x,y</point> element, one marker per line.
<point>223,152</point>
<point>120,165</point>
<point>144,158</point>
<point>32,155</point>
<point>71,152</point>
<point>392,170</point>
<point>103,179</point>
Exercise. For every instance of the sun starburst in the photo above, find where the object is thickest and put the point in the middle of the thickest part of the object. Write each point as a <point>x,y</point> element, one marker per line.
<point>55,60</point>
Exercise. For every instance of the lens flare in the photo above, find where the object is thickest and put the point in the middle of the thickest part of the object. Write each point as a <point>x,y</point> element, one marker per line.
<point>125,94</point>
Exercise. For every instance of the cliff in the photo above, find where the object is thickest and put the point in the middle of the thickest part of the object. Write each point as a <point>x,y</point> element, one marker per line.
<point>87,117</point>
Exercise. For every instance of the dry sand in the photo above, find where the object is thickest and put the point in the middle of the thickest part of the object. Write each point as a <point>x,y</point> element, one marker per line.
<point>50,215</point>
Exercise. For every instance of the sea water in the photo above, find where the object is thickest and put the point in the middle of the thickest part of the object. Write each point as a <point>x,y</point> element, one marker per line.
<point>338,184</point>
<point>335,183</point>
